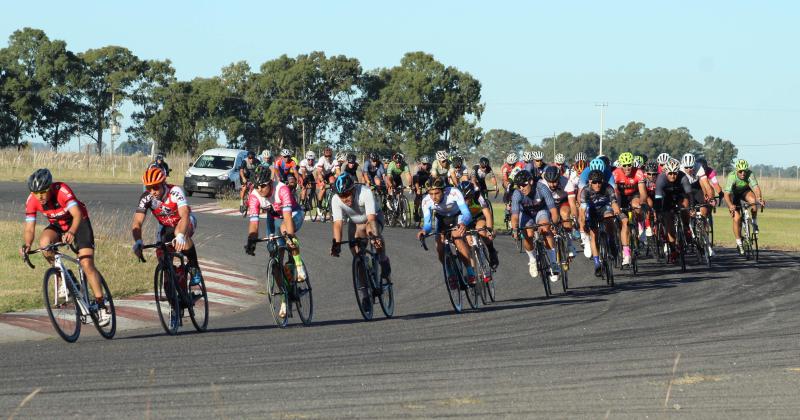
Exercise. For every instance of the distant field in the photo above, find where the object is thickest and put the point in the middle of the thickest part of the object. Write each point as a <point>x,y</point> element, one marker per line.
<point>80,167</point>
<point>780,189</point>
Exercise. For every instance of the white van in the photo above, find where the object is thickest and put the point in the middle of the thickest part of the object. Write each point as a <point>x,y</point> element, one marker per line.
<point>215,171</point>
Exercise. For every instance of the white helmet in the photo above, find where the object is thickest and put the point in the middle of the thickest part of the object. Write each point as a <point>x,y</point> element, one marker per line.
<point>286,153</point>
<point>663,158</point>
<point>442,155</point>
<point>511,158</point>
<point>340,157</point>
<point>615,164</point>
<point>560,159</point>
<point>311,155</point>
<point>266,154</point>
<point>687,161</point>
<point>580,156</point>
<point>672,165</point>
<point>538,155</point>
<point>527,156</point>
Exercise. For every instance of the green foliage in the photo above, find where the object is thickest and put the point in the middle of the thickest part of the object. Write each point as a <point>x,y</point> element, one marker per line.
<point>496,144</point>
<point>719,153</point>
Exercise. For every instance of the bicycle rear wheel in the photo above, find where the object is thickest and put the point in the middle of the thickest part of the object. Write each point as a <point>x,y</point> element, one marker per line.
<point>404,216</point>
<point>606,266</point>
<point>62,310</point>
<point>108,330</point>
<point>277,293</point>
<point>544,268</point>
<point>385,291</point>
<point>453,285</point>
<point>198,306</point>
<point>754,242</point>
<point>680,238</point>
<point>304,300</point>
<point>167,300</point>
<point>362,286</point>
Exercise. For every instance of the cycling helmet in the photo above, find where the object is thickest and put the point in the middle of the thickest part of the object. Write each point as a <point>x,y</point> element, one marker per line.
<point>551,174</point>
<point>625,159</point>
<point>42,179</point>
<point>615,164</point>
<point>527,156</point>
<point>663,158</point>
<point>340,157</point>
<point>398,157</point>
<point>651,167</point>
<point>514,172</point>
<point>286,153</point>
<point>343,184</point>
<point>605,159</point>
<point>671,166</point>
<point>251,154</point>
<point>483,161</point>
<point>467,189</point>
<point>153,176</point>
<point>351,158</point>
<point>560,159</point>
<point>457,161</point>
<point>687,161</point>
<point>436,183</point>
<point>511,158</point>
<point>266,154</point>
<point>579,166</point>
<point>425,159</point>
<point>638,162</point>
<point>644,158</point>
<point>537,155</point>
<point>442,155</point>
<point>597,164</point>
<point>596,176</point>
<point>741,165</point>
<point>374,156</point>
<point>263,175</point>
<point>522,177</point>
<point>311,155</point>
<point>159,157</point>
<point>581,156</point>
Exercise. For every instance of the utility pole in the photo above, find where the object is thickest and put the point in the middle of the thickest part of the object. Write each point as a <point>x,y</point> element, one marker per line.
<point>603,106</point>
<point>554,146</point>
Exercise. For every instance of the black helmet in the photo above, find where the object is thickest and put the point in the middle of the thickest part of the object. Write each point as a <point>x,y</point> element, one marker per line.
<point>523,177</point>
<point>551,174</point>
<point>435,183</point>
<point>374,156</point>
<point>251,154</point>
<point>651,167</point>
<point>605,160</point>
<point>351,158</point>
<point>263,175</point>
<point>596,176</point>
<point>343,184</point>
<point>457,161</point>
<point>484,161</point>
<point>159,157</point>
<point>40,180</point>
<point>467,189</point>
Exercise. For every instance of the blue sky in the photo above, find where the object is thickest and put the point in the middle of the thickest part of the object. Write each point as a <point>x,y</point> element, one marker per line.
<point>723,68</point>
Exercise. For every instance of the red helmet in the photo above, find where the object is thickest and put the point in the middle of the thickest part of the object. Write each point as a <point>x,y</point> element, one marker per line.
<point>153,176</point>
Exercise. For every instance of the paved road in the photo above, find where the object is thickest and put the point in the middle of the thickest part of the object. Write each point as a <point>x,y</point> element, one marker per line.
<point>714,344</point>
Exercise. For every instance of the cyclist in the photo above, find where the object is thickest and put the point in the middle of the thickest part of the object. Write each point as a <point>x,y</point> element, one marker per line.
<point>285,165</point>
<point>274,200</point>
<point>306,172</point>
<point>481,218</point>
<point>742,185</point>
<point>712,177</point>
<point>651,174</point>
<point>419,181</point>
<point>479,174</point>
<point>68,222</point>
<point>356,203</point>
<point>249,164</point>
<point>441,167</point>
<point>266,158</point>
<point>325,171</point>
<point>527,162</point>
<point>447,205</point>
<point>598,205</point>
<point>532,206</point>
<point>160,163</point>
<point>673,190</point>
<point>556,184</point>
<point>168,204</point>
<point>701,187</point>
<point>350,166</point>
<point>596,164</point>
<point>373,171</point>
<point>396,171</point>
<point>558,162</point>
<point>662,160</point>
<point>574,199</point>
<point>630,190</point>
<point>538,163</point>
<point>457,172</point>
<point>505,172</point>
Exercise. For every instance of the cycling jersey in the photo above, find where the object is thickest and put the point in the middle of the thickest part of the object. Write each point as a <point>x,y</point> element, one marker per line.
<point>476,206</point>
<point>280,200</point>
<point>538,199</point>
<point>669,193</point>
<point>165,209</point>
<point>506,169</point>
<point>737,186</point>
<point>421,177</point>
<point>306,171</point>
<point>608,175</point>
<point>373,170</point>
<point>326,166</point>
<point>439,170</point>
<point>572,183</point>
<point>598,200</point>
<point>559,194</point>
<point>457,172</point>
<point>697,174</point>
<point>628,185</point>
<point>249,168</point>
<point>452,205</point>
<point>395,170</point>
<point>363,205</point>
<point>56,209</point>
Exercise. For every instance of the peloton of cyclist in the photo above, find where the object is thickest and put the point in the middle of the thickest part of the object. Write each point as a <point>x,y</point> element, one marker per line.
<point>532,207</point>
<point>630,190</point>
<point>742,185</point>
<point>673,190</point>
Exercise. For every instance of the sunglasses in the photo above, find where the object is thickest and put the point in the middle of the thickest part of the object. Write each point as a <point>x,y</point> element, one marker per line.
<point>740,172</point>
<point>652,173</point>
<point>688,167</point>
<point>597,182</point>
<point>672,174</point>
<point>346,195</point>
<point>263,185</point>
<point>524,185</point>
<point>627,166</point>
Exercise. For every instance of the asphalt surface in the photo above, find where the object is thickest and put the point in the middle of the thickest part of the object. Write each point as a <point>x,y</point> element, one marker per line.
<point>717,343</point>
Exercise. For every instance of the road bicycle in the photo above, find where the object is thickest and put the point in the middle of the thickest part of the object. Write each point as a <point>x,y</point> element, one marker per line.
<point>368,283</point>
<point>321,210</point>
<point>479,254</point>
<point>68,299</point>
<point>605,249</point>
<point>396,209</point>
<point>633,238</point>
<point>174,292</point>
<point>543,263</point>
<point>283,289</point>
<point>454,277</point>
<point>560,238</point>
<point>700,228</point>
<point>748,232</point>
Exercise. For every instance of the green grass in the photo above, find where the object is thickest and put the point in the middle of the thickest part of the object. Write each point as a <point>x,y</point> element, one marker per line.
<point>21,287</point>
<point>777,229</point>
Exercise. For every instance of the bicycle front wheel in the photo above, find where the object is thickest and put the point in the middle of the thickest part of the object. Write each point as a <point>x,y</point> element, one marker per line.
<point>453,282</point>
<point>198,306</point>
<point>404,215</point>
<point>303,299</point>
<point>167,300</point>
<point>277,294</point>
<point>61,306</point>
<point>362,287</point>
<point>109,329</point>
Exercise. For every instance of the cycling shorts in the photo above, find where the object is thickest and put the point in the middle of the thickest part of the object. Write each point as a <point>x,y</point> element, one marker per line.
<point>84,236</point>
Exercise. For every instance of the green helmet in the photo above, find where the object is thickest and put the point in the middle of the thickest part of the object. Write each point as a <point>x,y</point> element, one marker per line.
<point>742,165</point>
<point>626,159</point>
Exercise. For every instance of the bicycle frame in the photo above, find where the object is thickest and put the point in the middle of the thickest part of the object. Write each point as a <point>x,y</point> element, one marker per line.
<point>80,294</point>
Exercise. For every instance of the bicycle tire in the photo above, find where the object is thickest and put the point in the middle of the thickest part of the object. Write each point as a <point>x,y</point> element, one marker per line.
<point>606,267</point>
<point>277,292</point>
<point>472,292</point>
<point>680,239</point>
<point>754,242</point>
<point>385,291</point>
<point>167,300</point>
<point>362,286</point>
<point>198,307</point>
<point>544,269</point>
<point>402,208</point>
<point>633,241</point>
<point>64,313</point>
<point>303,299</point>
<point>109,330</point>
<point>455,293</point>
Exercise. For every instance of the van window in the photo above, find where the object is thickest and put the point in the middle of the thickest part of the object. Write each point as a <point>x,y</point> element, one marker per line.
<point>215,162</point>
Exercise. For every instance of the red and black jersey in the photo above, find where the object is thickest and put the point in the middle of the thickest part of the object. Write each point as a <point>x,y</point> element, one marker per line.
<point>56,209</point>
<point>166,208</point>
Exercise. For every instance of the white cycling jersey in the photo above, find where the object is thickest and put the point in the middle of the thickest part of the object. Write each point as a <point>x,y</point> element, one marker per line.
<point>452,204</point>
<point>697,173</point>
<point>305,167</point>
<point>572,183</point>
<point>327,165</point>
<point>363,205</point>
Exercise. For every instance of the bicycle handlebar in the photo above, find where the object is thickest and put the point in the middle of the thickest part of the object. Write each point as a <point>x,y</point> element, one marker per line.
<point>51,247</point>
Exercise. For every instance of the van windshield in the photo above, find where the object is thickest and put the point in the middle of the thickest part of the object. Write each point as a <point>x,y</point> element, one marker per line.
<point>215,162</point>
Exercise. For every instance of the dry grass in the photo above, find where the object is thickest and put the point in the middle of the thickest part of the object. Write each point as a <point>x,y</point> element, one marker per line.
<point>21,287</point>
<point>81,167</point>
<point>780,189</point>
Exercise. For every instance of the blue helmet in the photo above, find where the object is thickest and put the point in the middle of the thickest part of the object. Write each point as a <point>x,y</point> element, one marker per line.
<point>597,164</point>
<point>343,184</point>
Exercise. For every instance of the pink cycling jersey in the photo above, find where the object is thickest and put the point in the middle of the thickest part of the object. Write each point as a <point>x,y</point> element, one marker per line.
<point>280,200</point>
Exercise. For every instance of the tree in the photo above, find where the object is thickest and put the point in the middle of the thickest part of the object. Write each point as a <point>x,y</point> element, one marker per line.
<point>237,119</point>
<point>719,153</point>
<point>109,74</point>
<point>187,116</point>
<point>155,75</point>
<point>497,143</point>
<point>59,75</point>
